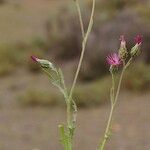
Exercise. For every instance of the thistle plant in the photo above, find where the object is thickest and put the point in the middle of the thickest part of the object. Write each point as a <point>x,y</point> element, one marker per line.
<point>122,60</point>
<point>56,77</point>
<point>119,60</point>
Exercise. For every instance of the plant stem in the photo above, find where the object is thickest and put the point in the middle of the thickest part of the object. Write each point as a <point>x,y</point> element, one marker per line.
<point>106,134</point>
<point>83,48</point>
<point>119,85</point>
<point>108,127</point>
<point>81,56</point>
<point>80,18</point>
<point>84,42</point>
<point>112,91</point>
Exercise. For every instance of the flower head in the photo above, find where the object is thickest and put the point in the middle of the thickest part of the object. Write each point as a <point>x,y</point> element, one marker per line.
<point>137,48</point>
<point>138,39</point>
<point>123,50</point>
<point>113,59</point>
<point>44,63</point>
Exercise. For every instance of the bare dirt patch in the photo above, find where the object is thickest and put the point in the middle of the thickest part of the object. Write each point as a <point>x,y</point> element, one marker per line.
<point>36,128</point>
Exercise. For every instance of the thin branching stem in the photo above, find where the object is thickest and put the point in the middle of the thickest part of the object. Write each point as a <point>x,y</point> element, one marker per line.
<point>113,103</point>
<point>83,49</point>
<point>119,85</point>
<point>112,90</point>
<point>107,131</point>
<point>84,42</point>
<point>80,18</point>
<point>114,99</point>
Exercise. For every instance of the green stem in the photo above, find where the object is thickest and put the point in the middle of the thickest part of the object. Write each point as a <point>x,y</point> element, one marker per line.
<point>112,91</point>
<point>119,85</point>
<point>80,18</point>
<point>84,42</point>
<point>68,113</point>
<point>114,99</point>
<point>113,103</point>
<point>108,127</point>
<point>48,74</point>
<point>107,131</point>
<point>128,63</point>
<point>83,49</point>
<point>81,58</point>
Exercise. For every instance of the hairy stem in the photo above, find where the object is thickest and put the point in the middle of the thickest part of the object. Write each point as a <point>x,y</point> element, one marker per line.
<point>114,99</point>
<point>70,118</point>
<point>113,103</point>
<point>84,42</point>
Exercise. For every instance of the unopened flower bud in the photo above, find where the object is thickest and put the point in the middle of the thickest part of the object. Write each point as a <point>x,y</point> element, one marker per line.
<point>136,49</point>
<point>44,63</point>
<point>123,50</point>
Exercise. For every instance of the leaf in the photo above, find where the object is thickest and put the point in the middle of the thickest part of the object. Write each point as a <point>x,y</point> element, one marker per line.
<point>63,137</point>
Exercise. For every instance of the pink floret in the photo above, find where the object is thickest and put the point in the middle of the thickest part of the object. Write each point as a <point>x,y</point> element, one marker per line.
<point>138,39</point>
<point>113,59</point>
<point>34,58</point>
<point>122,39</point>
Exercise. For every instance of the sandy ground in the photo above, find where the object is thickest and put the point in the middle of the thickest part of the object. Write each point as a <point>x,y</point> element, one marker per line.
<point>36,128</point>
<point>31,129</point>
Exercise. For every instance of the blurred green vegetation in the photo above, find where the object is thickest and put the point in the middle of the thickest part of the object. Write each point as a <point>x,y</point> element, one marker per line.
<point>9,59</point>
<point>144,12</point>
<point>136,79</point>
<point>17,56</point>
<point>40,98</point>
<point>85,95</point>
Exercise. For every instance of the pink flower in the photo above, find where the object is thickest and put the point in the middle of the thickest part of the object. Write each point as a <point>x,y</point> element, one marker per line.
<point>34,58</point>
<point>113,59</point>
<point>138,39</point>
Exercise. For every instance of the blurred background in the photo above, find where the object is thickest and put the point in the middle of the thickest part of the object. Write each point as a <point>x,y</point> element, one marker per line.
<point>31,108</point>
